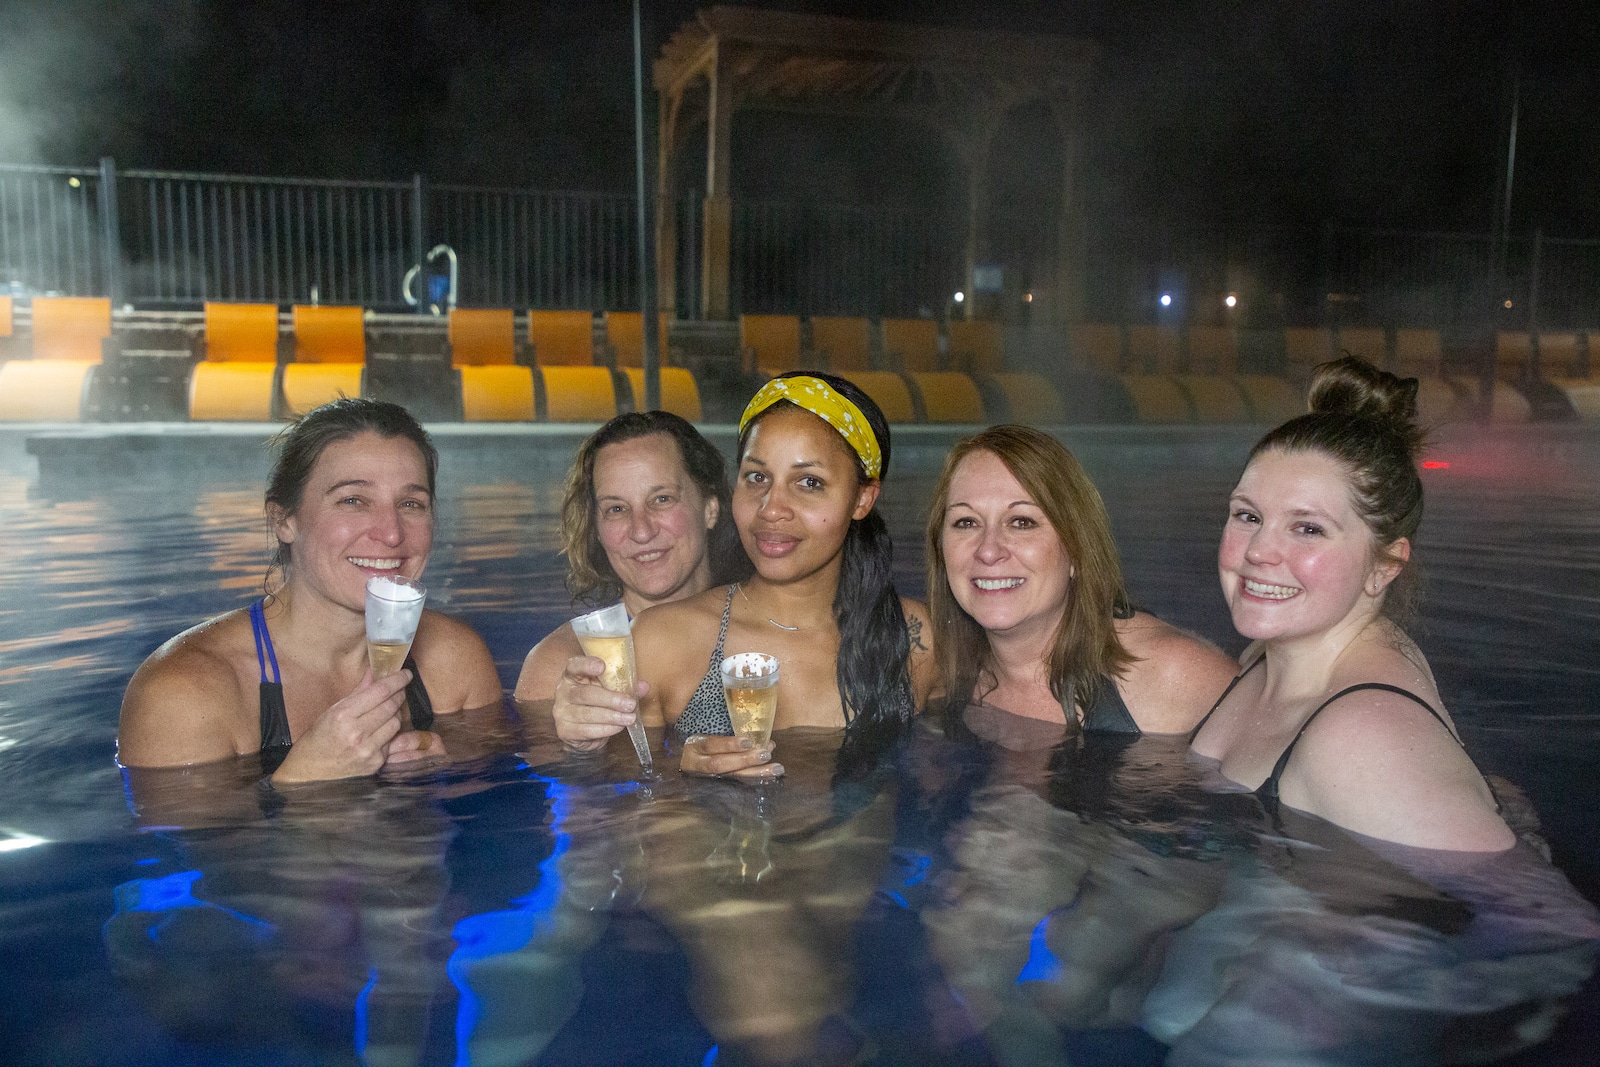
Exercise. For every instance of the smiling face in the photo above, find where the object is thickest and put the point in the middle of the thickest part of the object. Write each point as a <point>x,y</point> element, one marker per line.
<point>365,511</point>
<point>1007,568</point>
<point>652,520</point>
<point>797,492</point>
<point>1296,557</point>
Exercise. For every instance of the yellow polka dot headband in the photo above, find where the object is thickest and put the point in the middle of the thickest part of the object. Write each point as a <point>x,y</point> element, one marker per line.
<point>827,404</point>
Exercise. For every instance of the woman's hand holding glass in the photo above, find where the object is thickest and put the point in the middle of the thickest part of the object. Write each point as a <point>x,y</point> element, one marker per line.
<point>358,735</point>
<point>587,713</point>
<point>721,756</point>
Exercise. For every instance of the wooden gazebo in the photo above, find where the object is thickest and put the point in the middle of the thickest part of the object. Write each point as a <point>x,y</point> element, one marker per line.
<point>960,82</point>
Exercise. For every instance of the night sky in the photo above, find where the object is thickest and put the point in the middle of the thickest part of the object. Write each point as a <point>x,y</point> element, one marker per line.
<point>1250,113</point>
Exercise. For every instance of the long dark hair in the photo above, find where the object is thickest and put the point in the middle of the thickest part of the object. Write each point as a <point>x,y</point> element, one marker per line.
<point>590,577</point>
<point>1366,419</point>
<point>302,444</point>
<point>874,644</point>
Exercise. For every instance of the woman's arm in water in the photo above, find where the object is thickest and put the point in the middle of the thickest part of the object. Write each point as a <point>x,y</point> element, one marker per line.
<point>1378,764</point>
<point>455,665</point>
<point>545,663</point>
<point>181,708</point>
<point>1176,676</point>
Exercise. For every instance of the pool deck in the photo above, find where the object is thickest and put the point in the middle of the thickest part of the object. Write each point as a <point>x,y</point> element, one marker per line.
<point>111,452</point>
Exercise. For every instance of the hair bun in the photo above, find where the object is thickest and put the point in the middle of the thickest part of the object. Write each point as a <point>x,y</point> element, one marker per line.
<point>1355,388</point>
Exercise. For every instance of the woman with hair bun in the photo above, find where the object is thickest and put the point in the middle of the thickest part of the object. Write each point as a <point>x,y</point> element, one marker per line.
<point>813,449</point>
<point>1336,712</point>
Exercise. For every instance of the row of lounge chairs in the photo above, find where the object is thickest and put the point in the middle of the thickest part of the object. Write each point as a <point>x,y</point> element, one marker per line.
<point>249,362</point>
<point>250,365</point>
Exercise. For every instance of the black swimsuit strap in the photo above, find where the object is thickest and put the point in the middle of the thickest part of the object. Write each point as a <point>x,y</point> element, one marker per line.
<point>1236,680</point>
<point>274,714</point>
<point>1270,786</point>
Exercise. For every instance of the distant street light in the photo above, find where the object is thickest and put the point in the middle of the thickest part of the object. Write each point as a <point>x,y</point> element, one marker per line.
<point>1166,300</point>
<point>1231,301</point>
<point>960,297</point>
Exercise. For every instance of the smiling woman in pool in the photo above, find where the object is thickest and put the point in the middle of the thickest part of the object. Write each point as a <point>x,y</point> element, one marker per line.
<point>1028,606</point>
<point>1336,712</point>
<point>812,451</point>
<point>646,519</point>
<point>350,497</point>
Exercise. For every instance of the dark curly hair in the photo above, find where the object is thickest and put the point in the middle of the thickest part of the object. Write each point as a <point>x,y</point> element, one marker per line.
<point>590,577</point>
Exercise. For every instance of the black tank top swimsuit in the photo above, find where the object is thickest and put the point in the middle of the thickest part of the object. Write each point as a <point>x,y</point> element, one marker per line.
<point>1107,715</point>
<point>1267,791</point>
<point>275,739</point>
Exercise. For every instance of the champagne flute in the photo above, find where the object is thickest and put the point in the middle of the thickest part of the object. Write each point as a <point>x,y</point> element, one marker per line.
<point>607,635</point>
<point>394,608</point>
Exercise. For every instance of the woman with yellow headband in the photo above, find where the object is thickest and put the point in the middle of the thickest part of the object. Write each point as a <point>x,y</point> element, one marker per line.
<point>813,449</point>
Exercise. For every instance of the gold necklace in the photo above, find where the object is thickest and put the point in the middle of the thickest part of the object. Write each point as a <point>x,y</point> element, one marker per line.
<point>740,586</point>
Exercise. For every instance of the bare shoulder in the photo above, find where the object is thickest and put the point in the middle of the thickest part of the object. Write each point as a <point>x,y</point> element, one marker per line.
<point>1379,763</point>
<point>542,667</point>
<point>455,664</point>
<point>696,611</point>
<point>1176,678</point>
<point>186,702</point>
<point>1387,654</point>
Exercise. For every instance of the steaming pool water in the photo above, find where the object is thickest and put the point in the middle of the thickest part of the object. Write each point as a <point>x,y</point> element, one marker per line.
<point>1024,902</point>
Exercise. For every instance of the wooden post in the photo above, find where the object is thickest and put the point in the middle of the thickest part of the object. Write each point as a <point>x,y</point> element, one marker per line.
<point>667,203</point>
<point>718,207</point>
<point>977,218</point>
<point>1069,238</point>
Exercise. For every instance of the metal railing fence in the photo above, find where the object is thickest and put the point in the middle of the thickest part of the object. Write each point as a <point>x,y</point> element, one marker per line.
<point>50,237</point>
<point>525,248</point>
<point>161,238</point>
<point>189,238</point>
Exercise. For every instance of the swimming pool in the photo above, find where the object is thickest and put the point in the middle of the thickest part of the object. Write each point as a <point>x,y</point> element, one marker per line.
<point>967,904</point>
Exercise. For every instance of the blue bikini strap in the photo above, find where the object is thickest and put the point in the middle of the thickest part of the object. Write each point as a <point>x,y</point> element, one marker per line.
<point>264,652</point>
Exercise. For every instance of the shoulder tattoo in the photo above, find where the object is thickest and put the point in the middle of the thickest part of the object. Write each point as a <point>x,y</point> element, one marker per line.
<point>914,633</point>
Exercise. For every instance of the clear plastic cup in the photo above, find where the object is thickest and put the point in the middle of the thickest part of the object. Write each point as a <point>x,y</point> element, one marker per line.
<point>750,683</point>
<point>394,608</point>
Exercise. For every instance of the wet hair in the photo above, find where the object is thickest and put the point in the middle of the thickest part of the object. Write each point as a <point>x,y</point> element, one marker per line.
<point>1087,650</point>
<point>302,444</point>
<point>874,643</point>
<point>1366,419</point>
<point>590,577</point>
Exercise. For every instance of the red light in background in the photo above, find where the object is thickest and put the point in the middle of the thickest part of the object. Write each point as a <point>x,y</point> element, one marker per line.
<point>1435,465</point>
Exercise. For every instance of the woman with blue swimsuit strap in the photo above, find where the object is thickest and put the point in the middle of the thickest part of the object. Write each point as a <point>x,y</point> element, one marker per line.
<point>351,496</point>
<point>812,451</point>
<point>1337,713</point>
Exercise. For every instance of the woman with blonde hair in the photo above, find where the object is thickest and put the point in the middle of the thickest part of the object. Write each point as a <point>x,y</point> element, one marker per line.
<point>1028,606</point>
